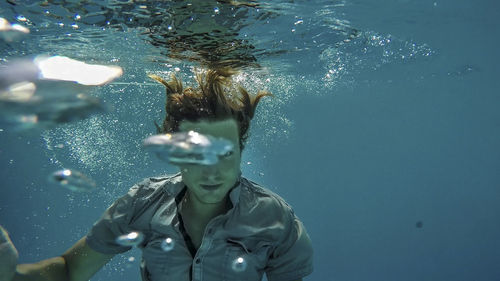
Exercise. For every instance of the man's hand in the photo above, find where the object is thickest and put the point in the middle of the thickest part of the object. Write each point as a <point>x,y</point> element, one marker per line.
<point>8,256</point>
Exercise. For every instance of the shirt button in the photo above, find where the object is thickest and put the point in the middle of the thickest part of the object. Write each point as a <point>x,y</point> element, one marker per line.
<point>197,261</point>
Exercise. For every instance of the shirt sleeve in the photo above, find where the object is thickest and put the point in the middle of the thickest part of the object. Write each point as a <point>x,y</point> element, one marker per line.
<point>115,222</point>
<point>292,259</point>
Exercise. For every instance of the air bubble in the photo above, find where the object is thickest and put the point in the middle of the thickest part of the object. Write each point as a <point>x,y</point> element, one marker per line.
<point>167,244</point>
<point>73,180</point>
<point>132,239</point>
<point>239,264</point>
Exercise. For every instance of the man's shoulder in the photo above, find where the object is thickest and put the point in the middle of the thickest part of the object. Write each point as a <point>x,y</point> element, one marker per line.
<point>152,185</point>
<point>254,194</point>
<point>262,213</point>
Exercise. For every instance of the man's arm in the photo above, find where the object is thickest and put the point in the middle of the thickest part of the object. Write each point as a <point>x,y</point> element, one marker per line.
<point>79,263</point>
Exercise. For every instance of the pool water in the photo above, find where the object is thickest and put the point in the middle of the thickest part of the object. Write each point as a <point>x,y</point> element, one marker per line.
<point>383,134</point>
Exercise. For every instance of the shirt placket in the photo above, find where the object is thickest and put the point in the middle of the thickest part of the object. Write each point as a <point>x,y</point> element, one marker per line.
<point>206,244</point>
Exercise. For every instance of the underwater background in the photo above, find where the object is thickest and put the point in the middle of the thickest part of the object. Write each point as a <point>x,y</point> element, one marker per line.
<point>383,132</point>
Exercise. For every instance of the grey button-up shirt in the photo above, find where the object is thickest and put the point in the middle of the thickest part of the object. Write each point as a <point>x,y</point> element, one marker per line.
<point>260,228</point>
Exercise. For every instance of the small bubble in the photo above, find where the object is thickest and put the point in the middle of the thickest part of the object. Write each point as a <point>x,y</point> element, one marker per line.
<point>216,10</point>
<point>131,259</point>
<point>21,18</point>
<point>77,17</point>
<point>167,244</point>
<point>249,163</point>
<point>239,264</point>
<point>169,28</point>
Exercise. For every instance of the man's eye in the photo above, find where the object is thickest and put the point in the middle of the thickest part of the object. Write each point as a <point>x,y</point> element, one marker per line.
<point>227,154</point>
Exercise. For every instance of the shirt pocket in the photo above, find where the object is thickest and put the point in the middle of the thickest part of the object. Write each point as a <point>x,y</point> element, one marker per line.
<point>245,259</point>
<point>157,261</point>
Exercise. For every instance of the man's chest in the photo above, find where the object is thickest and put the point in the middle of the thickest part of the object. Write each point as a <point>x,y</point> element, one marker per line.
<point>211,255</point>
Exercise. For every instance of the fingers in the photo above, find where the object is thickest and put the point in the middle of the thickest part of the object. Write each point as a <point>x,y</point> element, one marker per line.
<point>3,235</point>
<point>8,256</point>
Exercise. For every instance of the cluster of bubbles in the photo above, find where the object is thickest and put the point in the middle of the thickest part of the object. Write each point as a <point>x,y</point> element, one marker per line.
<point>279,127</point>
<point>368,51</point>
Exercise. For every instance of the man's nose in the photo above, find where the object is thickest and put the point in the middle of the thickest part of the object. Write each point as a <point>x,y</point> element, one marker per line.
<point>211,172</point>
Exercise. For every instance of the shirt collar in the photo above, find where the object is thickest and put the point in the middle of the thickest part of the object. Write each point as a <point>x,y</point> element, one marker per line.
<point>234,193</point>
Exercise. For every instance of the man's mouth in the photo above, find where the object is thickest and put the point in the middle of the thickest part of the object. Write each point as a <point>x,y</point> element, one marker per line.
<point>211,186</point>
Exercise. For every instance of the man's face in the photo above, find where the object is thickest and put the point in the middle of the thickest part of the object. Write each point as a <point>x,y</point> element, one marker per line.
<point>210,184</point>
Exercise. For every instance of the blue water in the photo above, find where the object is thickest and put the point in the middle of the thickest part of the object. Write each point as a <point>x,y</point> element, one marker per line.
<point>386,143</point>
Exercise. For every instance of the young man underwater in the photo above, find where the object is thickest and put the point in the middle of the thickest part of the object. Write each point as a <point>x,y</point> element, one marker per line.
<point>221,226</point>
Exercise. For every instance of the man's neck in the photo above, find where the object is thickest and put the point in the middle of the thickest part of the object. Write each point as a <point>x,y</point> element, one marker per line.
<point>203,211</point>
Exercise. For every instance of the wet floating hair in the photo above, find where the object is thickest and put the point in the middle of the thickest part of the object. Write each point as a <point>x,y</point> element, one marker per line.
<point>215,98</point>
